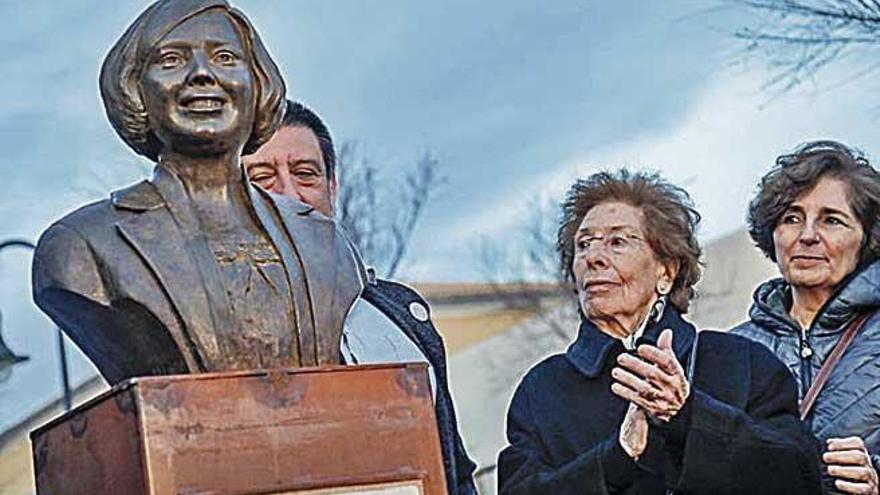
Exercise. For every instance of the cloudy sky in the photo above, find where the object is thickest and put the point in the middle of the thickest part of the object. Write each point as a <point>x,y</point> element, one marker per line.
<point>516,98</point>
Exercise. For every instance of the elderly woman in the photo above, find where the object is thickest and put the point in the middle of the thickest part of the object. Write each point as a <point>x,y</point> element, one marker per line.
<point>816,216</point>
<point>638,403</point>
<point>195,270</point>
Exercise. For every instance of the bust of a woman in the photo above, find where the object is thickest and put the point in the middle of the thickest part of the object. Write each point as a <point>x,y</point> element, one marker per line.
<point>195,270</point>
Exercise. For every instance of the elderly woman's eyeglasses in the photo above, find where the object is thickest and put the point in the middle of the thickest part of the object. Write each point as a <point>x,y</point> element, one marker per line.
<point>618,243</point>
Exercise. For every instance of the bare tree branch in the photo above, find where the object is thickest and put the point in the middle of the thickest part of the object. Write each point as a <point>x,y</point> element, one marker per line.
<point>419,187</point>
<point>800,38</point>
<point>380,216</point>
<point>524,272</point>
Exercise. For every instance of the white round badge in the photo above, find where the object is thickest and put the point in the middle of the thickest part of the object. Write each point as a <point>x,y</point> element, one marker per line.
<point>419,311</point>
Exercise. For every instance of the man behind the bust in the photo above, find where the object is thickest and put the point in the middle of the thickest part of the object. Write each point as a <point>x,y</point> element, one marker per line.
<point>389,322</point>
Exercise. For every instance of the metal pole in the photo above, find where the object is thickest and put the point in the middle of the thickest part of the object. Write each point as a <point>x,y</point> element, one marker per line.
<point>62,351</point>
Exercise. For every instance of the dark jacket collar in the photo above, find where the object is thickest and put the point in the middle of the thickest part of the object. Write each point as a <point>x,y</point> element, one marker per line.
<point>590,350</point>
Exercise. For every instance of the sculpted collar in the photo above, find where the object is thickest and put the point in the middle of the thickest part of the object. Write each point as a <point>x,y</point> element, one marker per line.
<point>591,348</point>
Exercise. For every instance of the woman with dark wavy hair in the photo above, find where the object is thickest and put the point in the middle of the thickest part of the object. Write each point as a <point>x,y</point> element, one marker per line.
<point>639,403</point>
<point>816,216</point>
<point>195,270</point>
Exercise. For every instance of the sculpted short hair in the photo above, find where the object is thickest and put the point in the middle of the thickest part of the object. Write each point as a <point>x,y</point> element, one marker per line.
<point>670,226</point>
<point>798,173</point>
<point>298,115</point>
<point>125,64</point>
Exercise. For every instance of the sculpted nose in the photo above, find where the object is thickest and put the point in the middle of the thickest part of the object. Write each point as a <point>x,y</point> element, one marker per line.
<point>200,71</point>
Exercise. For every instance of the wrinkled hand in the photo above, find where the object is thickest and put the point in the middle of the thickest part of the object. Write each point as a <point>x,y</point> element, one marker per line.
<point>654,381</point>
<point>849,462</point>
<point>633,436</point>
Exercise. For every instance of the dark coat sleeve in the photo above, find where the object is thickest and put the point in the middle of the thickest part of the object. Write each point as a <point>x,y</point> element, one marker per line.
<point>525,468</point>
<point>762,448</point>
<point>464,469</point>
<point>464,466</point>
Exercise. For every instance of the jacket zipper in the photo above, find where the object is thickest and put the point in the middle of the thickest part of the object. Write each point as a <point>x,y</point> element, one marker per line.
<point>806,355</point>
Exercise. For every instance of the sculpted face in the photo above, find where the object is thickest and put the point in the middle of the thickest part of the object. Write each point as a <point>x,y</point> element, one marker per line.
<point>198,88</point>
<point>291,164</point>
<point>615,269</point>
<point>818,239</point>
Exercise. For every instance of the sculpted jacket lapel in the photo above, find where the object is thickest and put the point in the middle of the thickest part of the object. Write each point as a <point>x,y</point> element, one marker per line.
<point>176,254</point>
<point>330,268</point>
<point>302,306</point>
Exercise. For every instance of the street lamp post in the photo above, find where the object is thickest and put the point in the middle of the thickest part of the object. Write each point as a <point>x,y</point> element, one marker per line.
<point>8,359</point>
<point>62,351</point>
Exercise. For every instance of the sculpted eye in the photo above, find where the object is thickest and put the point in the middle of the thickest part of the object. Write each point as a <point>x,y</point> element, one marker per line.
<point>170,60</point>
<point>225,57</point>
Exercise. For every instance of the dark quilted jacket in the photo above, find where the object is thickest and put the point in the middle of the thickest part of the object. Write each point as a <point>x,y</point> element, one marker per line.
<point>849,404</point>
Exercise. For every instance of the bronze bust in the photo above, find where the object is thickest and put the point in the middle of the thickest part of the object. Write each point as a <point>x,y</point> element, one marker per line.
<point>196,270</point>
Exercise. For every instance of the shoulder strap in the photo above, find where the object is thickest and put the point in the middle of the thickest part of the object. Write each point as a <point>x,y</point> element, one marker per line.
<point>830,362</point>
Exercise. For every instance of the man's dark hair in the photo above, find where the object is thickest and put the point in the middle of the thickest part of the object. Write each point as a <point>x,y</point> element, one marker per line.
<point>798,173</point>
<point>298,115</point>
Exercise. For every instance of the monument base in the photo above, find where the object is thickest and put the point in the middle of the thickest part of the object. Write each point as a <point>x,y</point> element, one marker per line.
<point>359,430</point>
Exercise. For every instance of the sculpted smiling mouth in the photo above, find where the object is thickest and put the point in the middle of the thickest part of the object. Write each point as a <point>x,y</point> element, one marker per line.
<point>202,103</point>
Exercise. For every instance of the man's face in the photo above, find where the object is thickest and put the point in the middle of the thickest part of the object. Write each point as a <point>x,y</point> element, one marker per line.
<point>291,164</point>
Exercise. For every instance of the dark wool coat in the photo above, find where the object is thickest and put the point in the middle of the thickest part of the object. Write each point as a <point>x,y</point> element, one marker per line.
<point>738,433</point>
<point>849,404</point>
<point>394,300</point>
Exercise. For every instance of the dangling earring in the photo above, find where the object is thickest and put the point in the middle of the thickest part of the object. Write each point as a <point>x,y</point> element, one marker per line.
<point>663,288</point>
<point>657,310</point>
<point>659,307</point>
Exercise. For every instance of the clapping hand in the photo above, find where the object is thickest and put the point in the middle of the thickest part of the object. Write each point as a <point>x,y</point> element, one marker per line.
<point>654,380</point>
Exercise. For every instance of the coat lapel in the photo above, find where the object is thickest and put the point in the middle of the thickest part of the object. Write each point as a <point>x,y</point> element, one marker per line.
<point>590,350</point>
<point>326,265</point>
<point>166,248</point>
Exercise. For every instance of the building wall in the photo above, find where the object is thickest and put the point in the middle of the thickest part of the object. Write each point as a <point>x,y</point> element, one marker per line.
<point>734,268</point>
<point>16,461</point>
